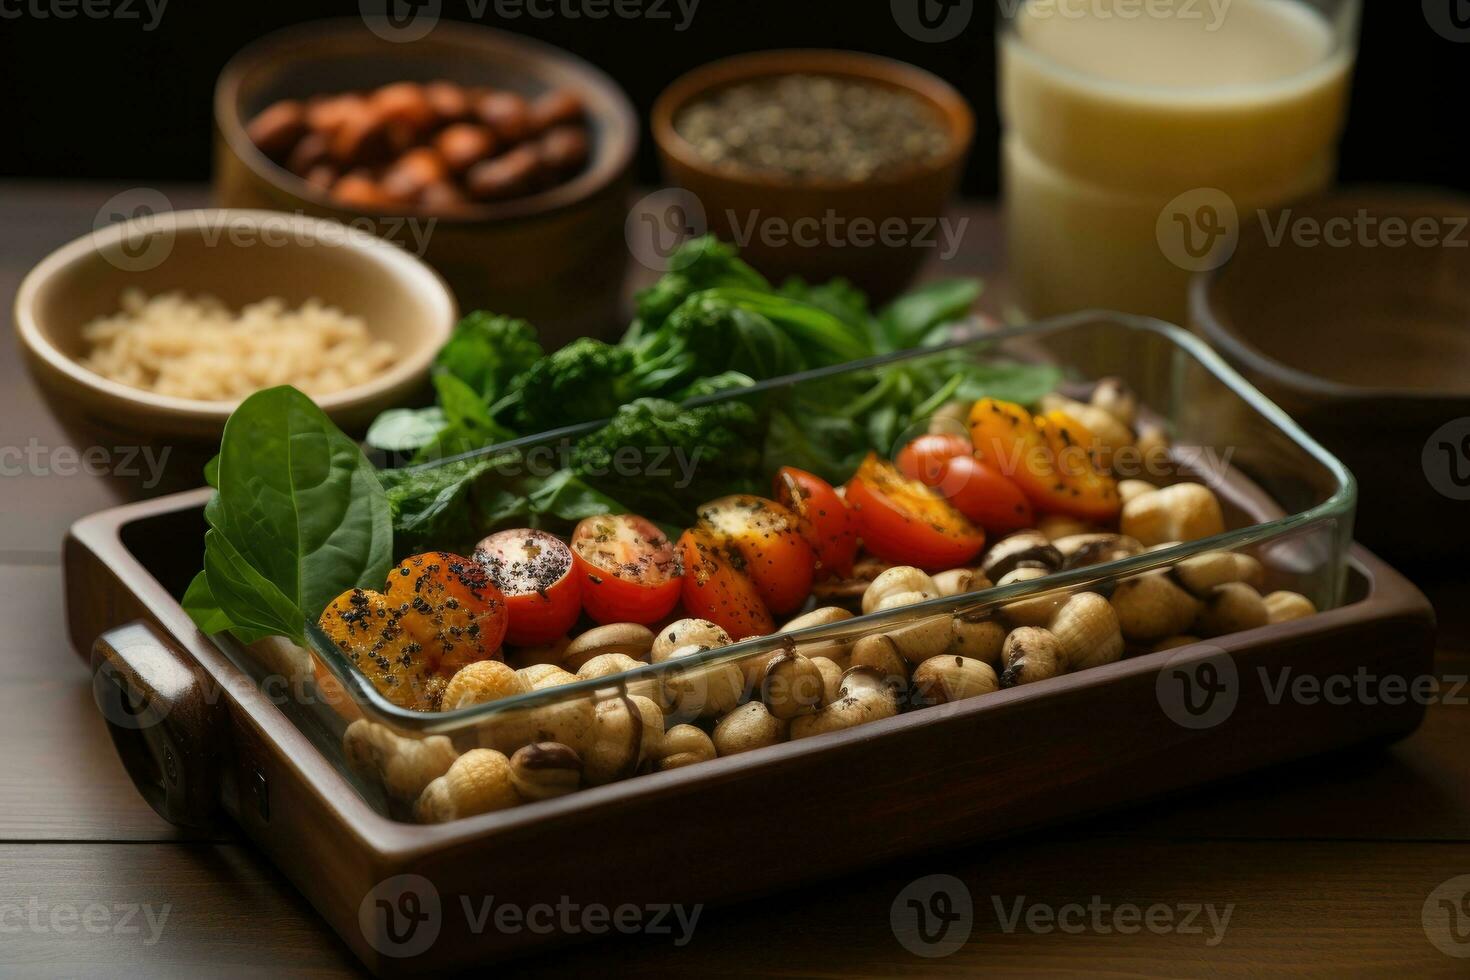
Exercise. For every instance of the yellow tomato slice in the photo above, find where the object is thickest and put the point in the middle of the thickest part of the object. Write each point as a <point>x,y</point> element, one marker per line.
<point>1049,456</point>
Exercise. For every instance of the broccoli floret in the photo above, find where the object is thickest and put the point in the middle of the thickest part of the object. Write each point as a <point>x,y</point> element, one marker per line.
<point>699,264</point>
<point>486,352</point>
<point>584,381</point>
<point>663,460</point>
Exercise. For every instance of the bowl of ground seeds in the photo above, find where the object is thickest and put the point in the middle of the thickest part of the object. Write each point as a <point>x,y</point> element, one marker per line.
<point>816,163</point>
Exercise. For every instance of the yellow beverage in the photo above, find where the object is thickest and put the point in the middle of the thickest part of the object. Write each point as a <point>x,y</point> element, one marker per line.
<point>1117,111</point>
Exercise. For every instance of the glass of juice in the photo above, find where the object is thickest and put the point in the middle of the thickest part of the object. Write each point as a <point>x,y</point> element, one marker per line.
<point>1139,133</point>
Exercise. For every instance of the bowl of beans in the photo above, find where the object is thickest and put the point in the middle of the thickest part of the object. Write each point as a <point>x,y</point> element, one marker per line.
<point>503,162</point>
<point>818,163</point>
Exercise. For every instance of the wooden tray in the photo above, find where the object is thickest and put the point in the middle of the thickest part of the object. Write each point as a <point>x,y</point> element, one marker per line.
<point>205,745</point>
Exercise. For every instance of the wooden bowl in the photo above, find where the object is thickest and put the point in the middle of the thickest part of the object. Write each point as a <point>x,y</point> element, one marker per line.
<point>1367,345</point>
<point>241,257</point>
<point>557,258</point>
<point>917,196</point>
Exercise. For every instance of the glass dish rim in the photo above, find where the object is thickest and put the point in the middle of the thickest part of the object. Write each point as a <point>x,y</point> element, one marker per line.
<point>1342,501</point>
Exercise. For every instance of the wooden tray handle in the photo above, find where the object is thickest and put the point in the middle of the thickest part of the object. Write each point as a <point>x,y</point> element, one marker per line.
<point>166,720</point>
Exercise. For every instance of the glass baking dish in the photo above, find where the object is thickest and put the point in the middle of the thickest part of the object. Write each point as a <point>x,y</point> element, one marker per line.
<point>1287,502</point>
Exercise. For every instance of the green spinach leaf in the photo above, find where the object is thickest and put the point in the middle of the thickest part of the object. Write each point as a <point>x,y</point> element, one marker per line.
<point>298,517</point>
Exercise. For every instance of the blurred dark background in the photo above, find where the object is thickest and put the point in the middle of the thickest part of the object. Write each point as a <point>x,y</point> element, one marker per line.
<point>107,97</point>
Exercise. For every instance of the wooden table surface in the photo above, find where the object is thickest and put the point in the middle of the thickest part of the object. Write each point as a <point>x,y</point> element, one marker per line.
<point>1325,866</point>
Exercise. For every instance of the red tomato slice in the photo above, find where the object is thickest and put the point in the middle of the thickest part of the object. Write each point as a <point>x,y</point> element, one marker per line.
<point>448,605</point>
<point>978,490</point>
<point>901,520</point>
<point>985,495</point>
<point>924,458</point>
<point>825,521</point>
<point>767,536</point>
<point>715,589</point>
<point>626,569</point>
<point>534,571</point>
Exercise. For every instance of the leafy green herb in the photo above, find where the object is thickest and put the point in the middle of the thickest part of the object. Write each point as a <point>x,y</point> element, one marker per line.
<point>908,320</point>
<point>452,505</point>
<point>488,352</point>
<point>711,325</point>
<point>406,430</point>
<point>468,424</point>
<point>584,381</point>
<point>660,460</point>
<point>298,517</point>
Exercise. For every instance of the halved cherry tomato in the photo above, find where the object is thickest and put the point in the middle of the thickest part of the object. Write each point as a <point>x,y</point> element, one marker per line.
<point>449,605</point>
<point>976,489</point>
<point>778,560</point>
<point>924,458</point>
<point>627,570</point>
<point>1048,456</point>
<point>534,571</point>
<point>985,495</point>
<point>901,520</point>
<point>825,521</point>
<point>716,589</point>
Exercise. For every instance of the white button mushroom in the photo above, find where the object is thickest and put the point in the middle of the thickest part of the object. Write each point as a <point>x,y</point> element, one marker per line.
<point>1182,512</point>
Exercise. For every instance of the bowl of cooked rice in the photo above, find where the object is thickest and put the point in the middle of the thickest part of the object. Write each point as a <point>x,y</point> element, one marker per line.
<point>157,327</point>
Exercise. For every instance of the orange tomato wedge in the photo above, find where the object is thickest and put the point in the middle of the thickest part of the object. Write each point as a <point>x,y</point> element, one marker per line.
<point>1049,456</point>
